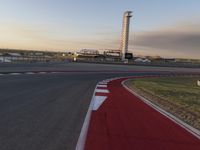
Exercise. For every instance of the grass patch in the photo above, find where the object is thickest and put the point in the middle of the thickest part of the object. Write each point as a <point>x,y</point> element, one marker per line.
<point>178,95</point>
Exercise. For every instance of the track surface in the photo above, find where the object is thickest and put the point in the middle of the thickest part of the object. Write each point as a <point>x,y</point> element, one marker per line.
<point>124,122</point>
<point>46,111</point>
<point>43,111</point>
<point>84,67</point>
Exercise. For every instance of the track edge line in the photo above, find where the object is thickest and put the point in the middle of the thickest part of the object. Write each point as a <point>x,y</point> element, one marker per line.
<point>83,134</point>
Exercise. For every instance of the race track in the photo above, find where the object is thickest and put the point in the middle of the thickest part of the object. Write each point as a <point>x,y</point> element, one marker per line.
<point>45,109</point>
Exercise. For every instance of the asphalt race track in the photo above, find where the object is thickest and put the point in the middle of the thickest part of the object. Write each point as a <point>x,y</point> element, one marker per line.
<point>45,111</point>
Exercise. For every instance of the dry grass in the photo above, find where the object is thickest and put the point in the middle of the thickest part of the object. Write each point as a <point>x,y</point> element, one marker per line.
<point>177,95</point>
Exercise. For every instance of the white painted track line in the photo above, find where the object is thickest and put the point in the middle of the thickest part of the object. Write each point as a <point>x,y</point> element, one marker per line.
<point>82,138</point>
<point>14,73</point>
<point>42,72</point>
<point>29,73</point>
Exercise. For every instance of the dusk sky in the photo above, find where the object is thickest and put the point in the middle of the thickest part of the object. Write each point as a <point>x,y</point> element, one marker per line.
<point>169,28</point>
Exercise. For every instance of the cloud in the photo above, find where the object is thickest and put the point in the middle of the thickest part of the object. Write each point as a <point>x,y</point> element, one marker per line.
<point>181,40</point>
<point>51,38</point>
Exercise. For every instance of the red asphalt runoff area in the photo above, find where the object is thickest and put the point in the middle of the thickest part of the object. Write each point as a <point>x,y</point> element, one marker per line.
<point>124,122</point>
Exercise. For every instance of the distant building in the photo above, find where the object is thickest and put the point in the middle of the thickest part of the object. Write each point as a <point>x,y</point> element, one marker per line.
<point>167,60</point>
<point>143,60</point>
<point>15,54</point>
<point>112,53</point>
<point>89,52</point>
<point>5,59</point>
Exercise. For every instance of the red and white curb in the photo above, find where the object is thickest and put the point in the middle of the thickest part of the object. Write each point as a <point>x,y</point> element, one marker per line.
<point>100,95</point>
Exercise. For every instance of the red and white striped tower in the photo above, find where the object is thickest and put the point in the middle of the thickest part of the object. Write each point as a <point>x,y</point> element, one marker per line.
<point>125,33</point>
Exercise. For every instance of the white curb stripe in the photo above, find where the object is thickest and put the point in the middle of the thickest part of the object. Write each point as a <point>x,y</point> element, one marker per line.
<point>102,85</point>
<point>94,105</point>
<point>104,82</point>
<point>101,91</point>
<point>98,101</point>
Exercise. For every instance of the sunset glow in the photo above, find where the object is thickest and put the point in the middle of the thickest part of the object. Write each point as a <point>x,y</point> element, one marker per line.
<point>159,27</point>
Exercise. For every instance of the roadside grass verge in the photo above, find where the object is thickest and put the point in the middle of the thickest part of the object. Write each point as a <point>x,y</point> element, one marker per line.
<point>178,95</point>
